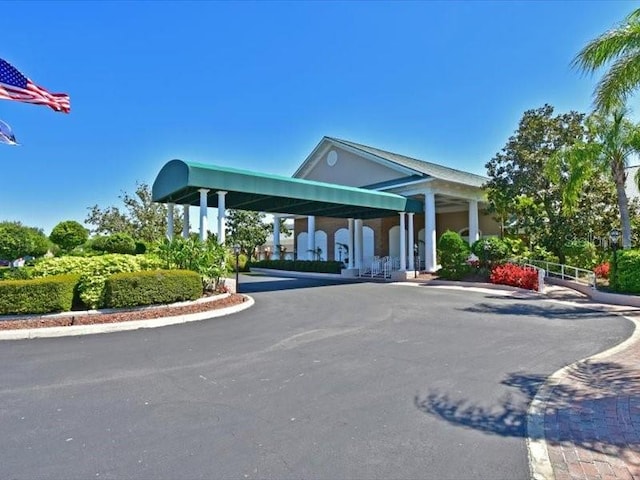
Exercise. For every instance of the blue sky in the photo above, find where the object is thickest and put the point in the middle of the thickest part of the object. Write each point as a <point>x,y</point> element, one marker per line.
<point>256,85</point>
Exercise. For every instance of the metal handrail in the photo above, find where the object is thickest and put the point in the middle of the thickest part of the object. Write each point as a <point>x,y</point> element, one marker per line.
<point>565,272</point>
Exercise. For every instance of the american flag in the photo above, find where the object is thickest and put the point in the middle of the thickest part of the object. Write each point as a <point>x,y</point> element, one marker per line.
<point>15,86</point>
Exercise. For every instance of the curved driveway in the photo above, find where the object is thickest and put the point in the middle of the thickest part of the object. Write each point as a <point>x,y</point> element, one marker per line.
<point>315,381</point>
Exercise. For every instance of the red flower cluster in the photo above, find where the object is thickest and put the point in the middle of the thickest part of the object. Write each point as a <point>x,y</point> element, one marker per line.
<point>515,275</point>
<point>602,270</point>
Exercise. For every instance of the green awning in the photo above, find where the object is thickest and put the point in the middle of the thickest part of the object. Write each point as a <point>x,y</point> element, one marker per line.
<point>178,182</point>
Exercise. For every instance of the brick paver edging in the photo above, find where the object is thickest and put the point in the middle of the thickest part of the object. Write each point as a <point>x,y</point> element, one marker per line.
<point>584,422</point>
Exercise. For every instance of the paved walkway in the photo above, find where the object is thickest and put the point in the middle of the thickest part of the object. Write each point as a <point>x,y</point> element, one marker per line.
<point>592,409</point>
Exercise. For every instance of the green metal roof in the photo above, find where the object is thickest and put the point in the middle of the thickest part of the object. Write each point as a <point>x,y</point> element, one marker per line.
<point>179,182</point>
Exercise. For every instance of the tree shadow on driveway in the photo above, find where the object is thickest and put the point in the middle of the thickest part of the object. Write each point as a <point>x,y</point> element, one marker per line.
<point>597,408</point>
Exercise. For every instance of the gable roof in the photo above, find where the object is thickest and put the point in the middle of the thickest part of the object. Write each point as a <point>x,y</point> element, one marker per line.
<point>420,167</point>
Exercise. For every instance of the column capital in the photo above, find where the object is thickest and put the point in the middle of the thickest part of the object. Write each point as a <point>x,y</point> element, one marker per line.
<point>203,190</point>
<point>411,214</point>
<point>221,192</point>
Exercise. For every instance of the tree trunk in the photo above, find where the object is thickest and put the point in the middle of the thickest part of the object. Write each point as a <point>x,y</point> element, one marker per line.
<point>623,206</point>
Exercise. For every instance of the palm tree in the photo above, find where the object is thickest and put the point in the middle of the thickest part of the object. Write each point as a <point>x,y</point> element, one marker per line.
<point>610,142</point>
<point>619,47</point>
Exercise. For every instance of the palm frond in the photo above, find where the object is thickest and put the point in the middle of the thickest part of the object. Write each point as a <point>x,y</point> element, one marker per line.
<point>622,79</point>
<point>616,43</point>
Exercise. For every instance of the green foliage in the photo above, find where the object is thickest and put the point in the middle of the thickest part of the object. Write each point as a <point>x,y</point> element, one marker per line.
<point>625,272</point>
<point>581,254</point>
<point>143,219</point>
<point>517,248</point>
<point>541,253</point>
<point>248,230</point>
<point>207,258</point>
<point>141,248</point>
<point>453,252</point>
<point>68,235</point>
<point>42,295</point>
<point>521,186</point>
<point>490,250</point>
<point>619,50</point>
<point>151,287</point>
<point>120,243</point>
<point>17,241</point>
<point>94,271</point>
<point>610,143</point>
<point>301,265</point>
<point>18,273</point>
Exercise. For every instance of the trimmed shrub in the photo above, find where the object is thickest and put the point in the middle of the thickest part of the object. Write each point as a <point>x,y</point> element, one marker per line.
<point>316,266</point>
<point>490,251</point>
<point>141,248</point>
<point>68,235</point>
<point>151,287</point>
<point>120,243</point>
<point>515,275</point>
<point>453,252</point>
<point>41,295</point>
<point>94,271</point>
<point>626,274</point>
<point>19,273</point>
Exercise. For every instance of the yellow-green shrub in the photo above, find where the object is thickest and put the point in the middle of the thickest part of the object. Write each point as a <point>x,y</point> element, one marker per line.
<point>40,295</point>
<point>94,271</point>
<point>151,287</point>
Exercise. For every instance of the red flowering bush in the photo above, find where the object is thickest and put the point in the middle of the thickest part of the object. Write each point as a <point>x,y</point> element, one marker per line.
<point>515,275</point>
<point>602,270</point>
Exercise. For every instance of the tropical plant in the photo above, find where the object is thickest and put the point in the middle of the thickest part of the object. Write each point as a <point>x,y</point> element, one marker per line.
<point>207,258</point>
<point>620,49</point>
<point>610,142</point>
<point>68,235</point>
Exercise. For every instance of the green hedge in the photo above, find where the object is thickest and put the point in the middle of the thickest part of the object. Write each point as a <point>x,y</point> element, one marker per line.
<point>301,265</point>
<point>40,295</point>
<point>625,277</point>
<point>151,287</point>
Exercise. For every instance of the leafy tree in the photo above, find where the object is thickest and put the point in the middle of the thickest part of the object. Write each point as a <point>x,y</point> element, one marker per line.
<point>248,230</point>
<point>619,48</point>
<point>521,188</point>
<point>612,140</point>
<point>69,234</point>
<point>143,219</point>
<point>17,241</point>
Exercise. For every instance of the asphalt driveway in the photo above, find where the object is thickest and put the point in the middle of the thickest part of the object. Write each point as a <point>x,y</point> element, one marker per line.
<point>315,381</point>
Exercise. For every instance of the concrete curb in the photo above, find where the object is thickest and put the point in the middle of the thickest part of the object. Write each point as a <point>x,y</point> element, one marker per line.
<point>539,463</point>
<point>74,330</point>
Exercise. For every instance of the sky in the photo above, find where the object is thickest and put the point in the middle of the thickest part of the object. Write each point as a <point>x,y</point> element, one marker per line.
<point>256,85</point>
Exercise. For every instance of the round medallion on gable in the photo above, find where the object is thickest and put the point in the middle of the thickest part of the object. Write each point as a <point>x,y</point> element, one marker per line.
<point>332,158</point>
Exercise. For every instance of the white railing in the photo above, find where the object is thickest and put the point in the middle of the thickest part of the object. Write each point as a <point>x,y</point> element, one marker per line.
<point>379,267</point>
<point>565,272</point>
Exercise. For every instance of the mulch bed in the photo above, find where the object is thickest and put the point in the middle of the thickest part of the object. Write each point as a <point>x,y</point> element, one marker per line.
<point>123,316</point>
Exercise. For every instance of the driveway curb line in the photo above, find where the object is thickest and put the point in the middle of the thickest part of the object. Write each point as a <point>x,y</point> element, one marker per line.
<point>539,463</point>
<point>74,330</point>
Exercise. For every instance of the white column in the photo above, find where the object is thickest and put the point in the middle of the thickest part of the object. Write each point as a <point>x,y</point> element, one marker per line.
<point>412,258</point>
<point>352,253</point>
<point>430,231</point>
<point>185,220</point>
<point>358,248</point>
<point>222,218</point>
<point>276,237</point>
<point>403,243</point>
<point>204,221</point>
<point>474,232</point>
<point>170,220</point>
<point>311,237</point>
